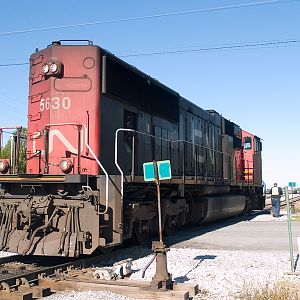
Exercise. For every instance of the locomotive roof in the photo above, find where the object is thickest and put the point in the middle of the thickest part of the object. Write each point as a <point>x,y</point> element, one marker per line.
<point>189,105</point>
<point>209,115</point>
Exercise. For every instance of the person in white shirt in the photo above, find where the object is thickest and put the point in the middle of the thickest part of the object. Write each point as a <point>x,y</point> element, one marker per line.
<point>276,193</point>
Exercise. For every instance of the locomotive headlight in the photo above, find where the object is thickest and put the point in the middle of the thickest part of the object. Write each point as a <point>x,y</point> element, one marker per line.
<point>66,165</point>
<point>4,166</point>
<point>45,69</point>
<point>53,68</point>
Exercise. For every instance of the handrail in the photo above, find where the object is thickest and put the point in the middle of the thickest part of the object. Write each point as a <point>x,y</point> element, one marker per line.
<point>156,137</point>
<point>95,157</point>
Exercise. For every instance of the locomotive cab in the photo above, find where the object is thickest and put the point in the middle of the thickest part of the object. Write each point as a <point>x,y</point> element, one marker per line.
<point>63,110</point>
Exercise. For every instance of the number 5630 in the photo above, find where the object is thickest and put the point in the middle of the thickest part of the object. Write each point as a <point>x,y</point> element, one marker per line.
<point>55,103</point>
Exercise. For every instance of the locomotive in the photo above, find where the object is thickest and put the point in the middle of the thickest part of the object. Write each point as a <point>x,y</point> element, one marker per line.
<point>93,120</point>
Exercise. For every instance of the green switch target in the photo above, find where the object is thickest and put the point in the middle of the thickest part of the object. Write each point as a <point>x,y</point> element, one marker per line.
<point>164,170</point>
<point>160,170</point>
<point>149,171</point>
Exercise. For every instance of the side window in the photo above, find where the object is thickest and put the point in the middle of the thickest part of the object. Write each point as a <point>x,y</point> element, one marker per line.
<point>130,123</point>
<point>247,143</point>
<point>129,120</point>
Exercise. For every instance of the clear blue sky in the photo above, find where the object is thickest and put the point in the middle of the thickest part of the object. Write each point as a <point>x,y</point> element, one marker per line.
<point>255,88</point>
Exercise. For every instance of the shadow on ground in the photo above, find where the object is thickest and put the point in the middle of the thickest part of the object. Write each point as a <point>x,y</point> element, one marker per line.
<point>186,233</point>
<point>201,258</point>
<point>190,232</point>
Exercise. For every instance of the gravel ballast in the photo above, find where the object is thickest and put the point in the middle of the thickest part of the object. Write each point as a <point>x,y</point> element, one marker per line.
<point>220,274</point>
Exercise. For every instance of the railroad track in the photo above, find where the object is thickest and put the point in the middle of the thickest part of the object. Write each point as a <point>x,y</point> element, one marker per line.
<point>283,202</point>
<point>20,275</point>
<point>32,277</point>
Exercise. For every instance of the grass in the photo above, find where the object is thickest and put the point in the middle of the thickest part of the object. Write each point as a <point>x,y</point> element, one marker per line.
<point>281,290</point>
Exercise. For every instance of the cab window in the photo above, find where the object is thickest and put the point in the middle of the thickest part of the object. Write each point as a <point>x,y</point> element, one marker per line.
<point>247,143</point>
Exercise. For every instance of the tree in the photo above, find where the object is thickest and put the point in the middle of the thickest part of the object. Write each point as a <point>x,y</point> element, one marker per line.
<point>5,151</point>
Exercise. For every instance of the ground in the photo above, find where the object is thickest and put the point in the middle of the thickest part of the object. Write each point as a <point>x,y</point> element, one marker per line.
<point>223,258</point>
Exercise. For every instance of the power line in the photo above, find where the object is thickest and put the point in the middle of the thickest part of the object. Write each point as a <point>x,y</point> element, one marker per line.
<point>12,98</point>
<point>21,58</point>
<point>225,47</point>
<point>196,11</point>
<point>13,64</point>
<point>9,107</point>
<point>204,49</point>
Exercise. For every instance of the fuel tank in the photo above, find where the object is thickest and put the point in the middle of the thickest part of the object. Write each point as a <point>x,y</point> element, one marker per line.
<point>222,206</point>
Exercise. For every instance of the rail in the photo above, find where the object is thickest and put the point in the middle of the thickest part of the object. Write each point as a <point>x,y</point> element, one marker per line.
<point>231,158</point>
<point>32,277</point>
<point>292,201</point>
<point>93,154</point>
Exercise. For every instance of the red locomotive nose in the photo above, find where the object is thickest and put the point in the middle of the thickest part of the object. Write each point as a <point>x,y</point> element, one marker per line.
<point>64,88</point>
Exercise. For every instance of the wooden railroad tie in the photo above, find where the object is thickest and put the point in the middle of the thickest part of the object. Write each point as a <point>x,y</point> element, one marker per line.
<point>131,288</point>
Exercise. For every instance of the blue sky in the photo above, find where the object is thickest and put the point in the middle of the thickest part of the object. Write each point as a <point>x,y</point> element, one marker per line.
<point>255,88</point>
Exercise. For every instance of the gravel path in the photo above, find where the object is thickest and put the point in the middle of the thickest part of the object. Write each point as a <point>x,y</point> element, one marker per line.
<point>270,218</point>
<point>4,254</point>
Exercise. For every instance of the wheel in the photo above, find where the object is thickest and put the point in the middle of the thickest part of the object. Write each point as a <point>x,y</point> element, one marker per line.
<point>154,226</point>
<point>181,219</point>
<point>190,201</point>
<point>141,232</point>
<point>170,225</point>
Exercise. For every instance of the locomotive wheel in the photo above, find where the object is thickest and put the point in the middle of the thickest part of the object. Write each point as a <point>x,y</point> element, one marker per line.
<point>170,225</point>
<point>154,226</point>
<point>141,235</point>
<point>191,208</point>
<point>181,219</point>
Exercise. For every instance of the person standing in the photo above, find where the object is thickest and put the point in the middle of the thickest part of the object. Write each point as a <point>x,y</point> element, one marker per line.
<point>276,193</point>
